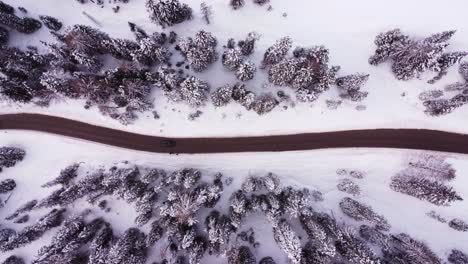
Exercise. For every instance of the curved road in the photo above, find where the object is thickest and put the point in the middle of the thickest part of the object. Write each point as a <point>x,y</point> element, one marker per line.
<point>378,138</point>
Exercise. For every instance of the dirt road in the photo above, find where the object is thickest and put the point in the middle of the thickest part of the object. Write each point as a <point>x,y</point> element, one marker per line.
<point>377,138</point>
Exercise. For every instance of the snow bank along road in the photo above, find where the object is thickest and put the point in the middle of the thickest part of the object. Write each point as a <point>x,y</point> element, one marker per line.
<point>375,138</point>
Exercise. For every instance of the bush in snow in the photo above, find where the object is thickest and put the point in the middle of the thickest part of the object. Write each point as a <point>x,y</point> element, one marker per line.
<point>412,57</point>
<point>439,107</point>
<point>9,156</point>
<point>192,91</point>
<point>168,12</point>
<point>264,103</point>
<point>348,186</point>
<point>457,257</point>
<point>51,22</point>
<point>200,51</point>
<point>362,212</point>
<point>458,225</point>
<point>430,166</point>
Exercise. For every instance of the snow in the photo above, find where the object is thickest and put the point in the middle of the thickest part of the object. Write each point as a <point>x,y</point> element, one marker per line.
<point>48,154</point>
<point>347,28</point>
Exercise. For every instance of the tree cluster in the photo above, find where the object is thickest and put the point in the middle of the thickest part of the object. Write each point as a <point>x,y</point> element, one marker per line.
<point>234,59</point>
<point>443,106</point>
<point>261,104</point>
<point>411,57</point>
<point>424,179</point>
<point>308,72</point>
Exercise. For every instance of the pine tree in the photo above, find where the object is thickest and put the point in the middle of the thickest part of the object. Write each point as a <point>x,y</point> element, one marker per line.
<point>430,166</point>
<point>425,189</point>
<point>355,250</point>
<point>361,212</point>
<point>24,25</point>
<point>405,249</point>
<point>236,4</point>
<point>13,260</point>
<point>458,224</point>
<point>4,36</point>
<point>65,177</point>
<point>288,241</point>
<point>33,232</point>
<point>241,255</point>
<point>100,245</point>
<point>200,51</point>
<point>247,46</point>
<point>239,207</point>
<point>374,236</point>
<point>246,71</point>
<point>277,52</point>
<point>222,96</point>
<point>219,230</point>
<point>7,185</point>
<point>51,23</point>
<point>283,73</point>
<point>194,91</point>
<point>22,209</point>
<point>129,248</point>
<point>457,257</point>
<point>168,12</point>
<point>348,186</point>
<point>351,85</point>
<point>9,156</point>
<point>232,58</point>
<point>155,234</point>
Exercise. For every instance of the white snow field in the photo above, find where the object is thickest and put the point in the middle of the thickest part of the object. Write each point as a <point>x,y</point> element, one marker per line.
<point>347,28</point>
<point>48,154</point>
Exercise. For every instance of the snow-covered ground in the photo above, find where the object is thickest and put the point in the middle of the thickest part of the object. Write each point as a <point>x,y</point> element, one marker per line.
<point>347,28</point>
<point>313,169</point>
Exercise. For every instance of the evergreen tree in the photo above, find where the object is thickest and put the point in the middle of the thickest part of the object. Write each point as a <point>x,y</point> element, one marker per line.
<point>22,209</point>
<point>282,73</point>
<point>51,23</point>
<point>355,250</point>
<point>288,241</point>
<point>130,248</point>
<point>6,8</point>
<point>277,52</point>
<point>374,236</point>
<point>458,257</point>
<point>348,186</point>
<point>241,255</point>
<point>219,230</point>
<point>100,246</point>
<point>24,25</point>
<point>458,225</point>
<point>236,4</point>
<point>352,84</point>
<point>246,71</point>
<point>14,260</point>
<point>200,51</point>
<point>232,58</point>
<point>65,177</point>
<point>9,156</point>
<point>7,185</point>
<point>156,233</point>
<point>168,12</point>
<point>430,166</point>
<point>404,249</point>
<point>222,96</point>
<point>361,212</point>
<point>425,189</point>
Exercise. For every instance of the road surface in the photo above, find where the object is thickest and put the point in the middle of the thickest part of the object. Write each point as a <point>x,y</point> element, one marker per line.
<point>374,138</point>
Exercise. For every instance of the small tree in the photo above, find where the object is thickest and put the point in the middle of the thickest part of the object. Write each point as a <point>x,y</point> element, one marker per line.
<point>288,241</point>
<point>200,51</point>
<point>360,212</point>
<point>9,156</point>
<point>168,12</point>
<point>7,185</point>
<point>130,248</point>
<point>277,52</point>
<point>457,257</point>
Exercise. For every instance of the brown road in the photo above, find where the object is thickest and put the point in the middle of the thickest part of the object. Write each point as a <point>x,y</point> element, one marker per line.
<point>376,138</point>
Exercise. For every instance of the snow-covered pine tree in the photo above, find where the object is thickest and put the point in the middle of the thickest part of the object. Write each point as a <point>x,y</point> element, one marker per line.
<point>277,52</point>
<point>33,232</point>
<point>13,260</point>
<point>425,189</point>
<point>168,12</point>
<point>28,206</point>
<point>241,255</point>
<point>232,58</point>
<point>194,91</point>
<point>430,166</point>
<point>51,23</point>
<point>374,236</point>
<point>351,86</point>
<point>222,96</point>
<point>405,249</point>
<point>65,177</point>
<point>349,186</point>
<point>9,156</point>
<point>458,224</point>
<point>282,73</point>
<point>7,185</point>
<point>129,248</point>
<point>219,229</point>
<point>100,245</point>
<point>246,71</point>
<point>457,257</point>
<point>355,250</point>
<point>288,241</point>
<point>360,212</point>
<point>200,50</point>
